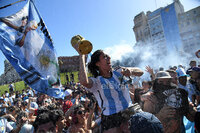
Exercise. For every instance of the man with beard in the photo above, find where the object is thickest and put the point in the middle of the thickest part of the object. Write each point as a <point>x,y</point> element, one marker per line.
<point>169,103</point>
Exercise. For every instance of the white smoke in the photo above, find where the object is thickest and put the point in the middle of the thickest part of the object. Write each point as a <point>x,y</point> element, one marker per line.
<point>142,55</point>
<point>118,51</point>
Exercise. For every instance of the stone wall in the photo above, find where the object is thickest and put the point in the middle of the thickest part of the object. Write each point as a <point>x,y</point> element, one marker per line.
<point>9,75</point>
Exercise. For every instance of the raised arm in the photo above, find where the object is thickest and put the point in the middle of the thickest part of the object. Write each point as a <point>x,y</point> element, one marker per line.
<point>83,77</point>
<point>90,122</point>
<point>131,71</point>
<point>9,23</point>
<point>151,72</point>
<point>21,42</point>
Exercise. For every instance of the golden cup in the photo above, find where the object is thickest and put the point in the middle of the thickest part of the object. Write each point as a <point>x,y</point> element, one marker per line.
<point>84,46</point>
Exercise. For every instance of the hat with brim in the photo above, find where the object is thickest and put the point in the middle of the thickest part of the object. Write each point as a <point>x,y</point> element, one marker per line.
<point>163,75</point>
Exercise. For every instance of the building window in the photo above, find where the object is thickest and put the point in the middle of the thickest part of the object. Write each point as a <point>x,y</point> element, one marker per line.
<point>140,33</point>
<point>188,22</point>
<point>194,11</point>
<point>197,34</point>
<point>194,20</point>
<point>182,17</point>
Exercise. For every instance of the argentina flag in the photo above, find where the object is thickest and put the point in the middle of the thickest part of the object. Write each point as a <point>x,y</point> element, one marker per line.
<point>26,43</point>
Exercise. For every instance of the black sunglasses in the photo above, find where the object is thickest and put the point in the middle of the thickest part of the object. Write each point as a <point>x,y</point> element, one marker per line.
<point>80,112</point>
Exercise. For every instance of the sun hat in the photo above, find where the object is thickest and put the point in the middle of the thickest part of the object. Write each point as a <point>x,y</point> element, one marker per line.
<point>163,75</point>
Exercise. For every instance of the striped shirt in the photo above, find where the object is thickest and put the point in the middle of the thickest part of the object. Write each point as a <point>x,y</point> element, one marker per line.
<point>5,127</point>
<point>111,93</point>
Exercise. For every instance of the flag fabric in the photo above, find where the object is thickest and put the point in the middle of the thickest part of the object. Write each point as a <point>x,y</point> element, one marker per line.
<point>26,43</point>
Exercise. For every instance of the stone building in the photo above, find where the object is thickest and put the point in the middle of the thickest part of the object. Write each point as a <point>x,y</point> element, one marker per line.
<point>189,25</point>
<point>169,28</point>
<point>9,75</point>
<point>141,29</point>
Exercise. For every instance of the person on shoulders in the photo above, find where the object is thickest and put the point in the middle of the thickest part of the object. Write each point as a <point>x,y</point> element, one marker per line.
<point>109,87</point>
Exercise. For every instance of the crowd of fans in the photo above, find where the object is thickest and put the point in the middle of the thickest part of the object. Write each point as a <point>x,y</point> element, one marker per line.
<point>171,106</point>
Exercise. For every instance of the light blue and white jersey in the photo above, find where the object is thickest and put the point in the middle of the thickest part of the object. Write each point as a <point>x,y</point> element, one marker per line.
<point>11,100</point>
<point>113,92</point>
<point>30,92</point>
<point>189,88</point>
<point>5,127</point>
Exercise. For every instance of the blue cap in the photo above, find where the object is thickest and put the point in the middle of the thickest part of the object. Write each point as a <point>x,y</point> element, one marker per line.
<point>145,122</point>
<point>181,72</point>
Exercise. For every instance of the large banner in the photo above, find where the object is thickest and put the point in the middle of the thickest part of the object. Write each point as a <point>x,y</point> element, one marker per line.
<point>171,29</point>
<point>26,43</point>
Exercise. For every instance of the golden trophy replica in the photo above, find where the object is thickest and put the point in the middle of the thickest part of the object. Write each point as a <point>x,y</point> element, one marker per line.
<point>84,46</point>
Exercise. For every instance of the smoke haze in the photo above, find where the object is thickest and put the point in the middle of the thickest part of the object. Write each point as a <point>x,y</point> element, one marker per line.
<point>141,55</point>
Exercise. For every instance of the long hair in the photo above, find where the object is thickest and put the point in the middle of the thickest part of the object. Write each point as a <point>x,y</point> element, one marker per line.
<point>92,64</point>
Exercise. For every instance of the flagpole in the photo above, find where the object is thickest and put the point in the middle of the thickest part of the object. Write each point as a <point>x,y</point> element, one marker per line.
<point>11,4</point>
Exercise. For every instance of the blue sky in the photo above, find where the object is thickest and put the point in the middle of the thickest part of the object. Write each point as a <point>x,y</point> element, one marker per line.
<point>106,23</point>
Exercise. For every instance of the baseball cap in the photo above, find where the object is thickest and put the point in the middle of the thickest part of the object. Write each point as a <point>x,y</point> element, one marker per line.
<point>68,92</point>
<point>34,105</point>
<point>163,75</point>
<point>144,122</point>
<point>181,72</point>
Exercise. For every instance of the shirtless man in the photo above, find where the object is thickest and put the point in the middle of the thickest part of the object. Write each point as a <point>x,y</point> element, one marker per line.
<point>169,103</point>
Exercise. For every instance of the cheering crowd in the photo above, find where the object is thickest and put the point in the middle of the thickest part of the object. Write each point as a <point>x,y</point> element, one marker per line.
<point>109,102</point>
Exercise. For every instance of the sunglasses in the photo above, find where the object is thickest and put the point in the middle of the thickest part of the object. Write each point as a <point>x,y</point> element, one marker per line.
<point>80,112</point>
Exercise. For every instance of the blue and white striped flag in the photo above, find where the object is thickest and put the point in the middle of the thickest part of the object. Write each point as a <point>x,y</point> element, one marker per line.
<point>26,43</point>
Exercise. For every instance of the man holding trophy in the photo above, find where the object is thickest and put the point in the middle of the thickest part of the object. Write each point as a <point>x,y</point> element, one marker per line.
<point>108,86</point>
